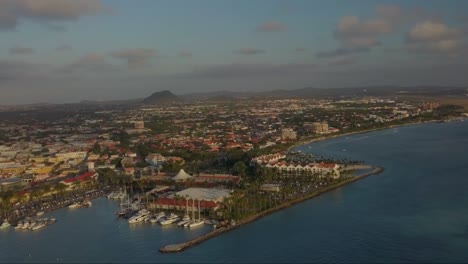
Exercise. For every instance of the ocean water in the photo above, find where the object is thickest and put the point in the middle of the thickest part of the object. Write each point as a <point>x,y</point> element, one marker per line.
<point>415,211</point>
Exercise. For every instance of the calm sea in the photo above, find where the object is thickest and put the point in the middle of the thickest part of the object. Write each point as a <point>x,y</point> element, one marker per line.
<point>416,211</point>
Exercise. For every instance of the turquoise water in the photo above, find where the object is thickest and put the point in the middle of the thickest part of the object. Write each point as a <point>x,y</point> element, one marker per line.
<point>415,211</point>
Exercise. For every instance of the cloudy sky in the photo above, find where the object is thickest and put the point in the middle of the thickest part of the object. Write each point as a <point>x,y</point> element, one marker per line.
<point>71,50</point>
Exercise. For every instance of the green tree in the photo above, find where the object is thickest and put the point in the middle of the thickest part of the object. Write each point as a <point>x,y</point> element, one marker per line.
<point>96,148</point>
<point>239,168</point>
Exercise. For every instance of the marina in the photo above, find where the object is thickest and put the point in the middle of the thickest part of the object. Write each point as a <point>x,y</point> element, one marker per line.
<point>392,222</point>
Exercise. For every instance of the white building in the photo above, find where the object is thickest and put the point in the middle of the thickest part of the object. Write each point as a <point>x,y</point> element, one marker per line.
<point>288,134</point>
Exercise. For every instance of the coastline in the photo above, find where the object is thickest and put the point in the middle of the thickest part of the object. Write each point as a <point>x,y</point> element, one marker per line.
<point>174,248</point>
<point>322,138</point>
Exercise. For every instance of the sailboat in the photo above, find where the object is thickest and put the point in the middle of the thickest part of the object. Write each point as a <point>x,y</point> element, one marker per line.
<point>186,216</point>
<point>193,216</point>
<point>198,222</point>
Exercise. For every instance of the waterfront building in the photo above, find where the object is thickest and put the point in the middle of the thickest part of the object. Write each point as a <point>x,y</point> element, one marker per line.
<point>268,158</point>
<point>317,127</point>
<point>81,178</point>
<point>321,169</point>
<point>288,134</point>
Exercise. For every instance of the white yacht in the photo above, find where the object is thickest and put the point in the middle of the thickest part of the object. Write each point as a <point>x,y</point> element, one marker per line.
<point>197,223</point>
<point>32,225</point>
<point>184,220</point>
<point>26,225</point>
<point>155,218</point>
<point>5,224</point>
<point>140,216</point>
<point>19,225</point>
<point>38,226</point>
<point>188,223</point>
<point>40,213</point>
<point>172,218</point>
<point>74,205</point>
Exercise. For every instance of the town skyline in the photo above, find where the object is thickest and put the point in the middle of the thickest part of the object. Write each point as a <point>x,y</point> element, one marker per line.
<point>113,50</point>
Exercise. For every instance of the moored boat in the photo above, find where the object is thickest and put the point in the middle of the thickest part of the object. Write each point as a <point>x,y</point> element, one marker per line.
<point>5,224</point>
<point>172,218</point>
<point>38,226</point>
<point>197,223</point>
<point>19,225</point>
<point>74,205</point>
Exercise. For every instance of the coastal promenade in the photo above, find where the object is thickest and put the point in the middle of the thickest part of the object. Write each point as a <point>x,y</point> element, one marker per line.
<point>173,248</point>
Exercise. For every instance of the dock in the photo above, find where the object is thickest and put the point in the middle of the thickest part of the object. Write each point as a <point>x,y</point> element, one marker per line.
<point>174,248</point>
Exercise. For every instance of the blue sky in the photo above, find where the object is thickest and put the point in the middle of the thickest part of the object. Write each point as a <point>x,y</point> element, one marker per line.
<point>72,50</point>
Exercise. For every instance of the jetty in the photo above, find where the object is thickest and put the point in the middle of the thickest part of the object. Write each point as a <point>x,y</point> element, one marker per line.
<point>174,248</point>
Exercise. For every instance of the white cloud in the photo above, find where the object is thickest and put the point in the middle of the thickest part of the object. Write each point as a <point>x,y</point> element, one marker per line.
<point>429,36</point>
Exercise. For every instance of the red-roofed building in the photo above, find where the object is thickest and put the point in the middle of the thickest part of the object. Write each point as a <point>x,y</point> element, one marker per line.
<point>81,178</point>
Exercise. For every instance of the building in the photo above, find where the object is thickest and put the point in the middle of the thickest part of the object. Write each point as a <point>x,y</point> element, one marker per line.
<point>317,127</point>
<point>81,178</point>
<point>155,159</point>
<point>10,184</point>
<point>322,170</point>
<point>205,194</point>
<point>288,134</point>
<point>139,124</point>
<point>189,199</point>
<point>267,158</point>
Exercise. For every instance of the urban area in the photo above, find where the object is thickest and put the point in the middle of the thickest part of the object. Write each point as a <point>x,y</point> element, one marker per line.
<point>188,164</point>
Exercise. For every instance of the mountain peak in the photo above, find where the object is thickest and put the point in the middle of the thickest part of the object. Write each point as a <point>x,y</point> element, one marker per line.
<point>162,97</point>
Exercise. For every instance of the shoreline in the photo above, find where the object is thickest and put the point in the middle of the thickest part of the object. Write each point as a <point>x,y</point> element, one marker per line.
<point>174,248</point>
<point>322,138</point>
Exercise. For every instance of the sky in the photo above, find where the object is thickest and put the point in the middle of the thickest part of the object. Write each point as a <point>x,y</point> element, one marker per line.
<point>61,51</point>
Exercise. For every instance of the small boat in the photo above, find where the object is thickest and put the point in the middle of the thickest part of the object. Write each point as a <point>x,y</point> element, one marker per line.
<point>123,212</point>
<point>172,218</point>
<point>26,225</point>
<point>87,203</point>
<point>74,205</point>
<point>38,226</point>
<point>32,225</point>
<point>188,223</point>
<point>5,224</point>
<point>140,216</point>
<point>197,223</point>
<point>19,225</point>
<point>40,213</point>
<point>184,220</point>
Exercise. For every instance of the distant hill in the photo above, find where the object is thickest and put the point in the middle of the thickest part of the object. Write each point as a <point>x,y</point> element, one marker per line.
<point>388,90</point>
<point>163,97</point>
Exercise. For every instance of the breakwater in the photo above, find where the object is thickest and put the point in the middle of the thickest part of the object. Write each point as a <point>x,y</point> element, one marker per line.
<point>173,248</point>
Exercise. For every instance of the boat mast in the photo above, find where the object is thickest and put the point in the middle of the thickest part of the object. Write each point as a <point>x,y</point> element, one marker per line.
<point>198,210</point>
<point>193,209</point>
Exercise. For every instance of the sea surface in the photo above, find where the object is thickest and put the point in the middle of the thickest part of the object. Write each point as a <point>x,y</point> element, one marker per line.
<point>415,211</point>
